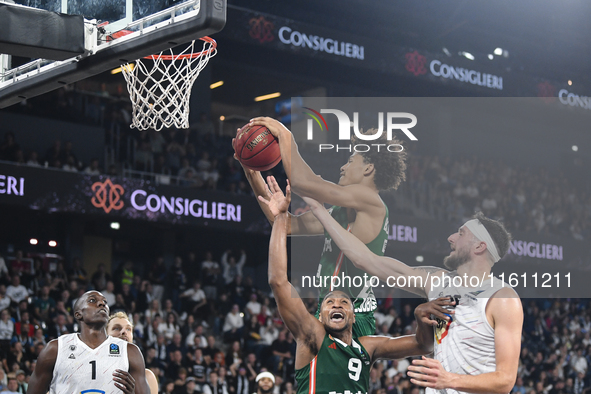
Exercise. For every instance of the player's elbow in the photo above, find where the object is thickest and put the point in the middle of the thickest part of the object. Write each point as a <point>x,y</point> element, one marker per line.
<point>426,348</point>
<point>505,383</point>
<point>276,282</point>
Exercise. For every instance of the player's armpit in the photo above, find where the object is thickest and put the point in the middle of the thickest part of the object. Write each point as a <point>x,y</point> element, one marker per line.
<point>137,369</point>
<point>43,373</point>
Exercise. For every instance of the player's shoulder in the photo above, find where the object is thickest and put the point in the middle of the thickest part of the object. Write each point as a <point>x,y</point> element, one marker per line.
<point>49,353</point>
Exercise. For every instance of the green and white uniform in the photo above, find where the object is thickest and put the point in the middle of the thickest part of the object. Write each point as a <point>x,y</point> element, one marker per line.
<point>352,281</point>
<point>337,369</point>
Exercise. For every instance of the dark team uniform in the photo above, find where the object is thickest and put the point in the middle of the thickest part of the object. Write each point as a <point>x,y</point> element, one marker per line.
<point>334,263</point>
<point>337,369</point>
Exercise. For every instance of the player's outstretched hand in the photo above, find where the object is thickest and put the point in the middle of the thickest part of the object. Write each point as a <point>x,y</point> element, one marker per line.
<point>276,201</point>
<point>429,372</point>
<point>436,308</point>
<point>124,381</point>
<point>275,127</point>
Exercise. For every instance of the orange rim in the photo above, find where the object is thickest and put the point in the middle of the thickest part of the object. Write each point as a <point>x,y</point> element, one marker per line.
<point>187,56</point>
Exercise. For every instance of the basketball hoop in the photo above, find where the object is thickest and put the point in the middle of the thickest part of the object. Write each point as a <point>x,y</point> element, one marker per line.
<point>160,92</point>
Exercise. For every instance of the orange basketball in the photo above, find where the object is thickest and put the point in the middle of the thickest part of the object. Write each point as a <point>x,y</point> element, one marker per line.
<point>256,148</point>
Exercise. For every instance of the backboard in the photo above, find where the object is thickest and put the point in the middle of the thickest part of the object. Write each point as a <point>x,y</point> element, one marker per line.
<point>149,27</point>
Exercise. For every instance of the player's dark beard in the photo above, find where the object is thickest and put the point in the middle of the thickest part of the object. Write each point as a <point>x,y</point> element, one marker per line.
<point>454,262</point>
<point>332,330</point>
<point>262,391</point>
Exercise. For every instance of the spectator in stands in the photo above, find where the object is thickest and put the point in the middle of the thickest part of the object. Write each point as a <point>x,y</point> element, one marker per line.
<point>186,166</point>
<point>177,282</point>
<point>11,386</point>
<point>157,276</point>
<point>59,327</point>
<point>4,299</point>
<point>232,268</point>
<point>44,304</point>
<point>54,153</point>
<point>196,339</point>
<point>33,159</point>
<point>211,350</point>
<point>175,365</point>
<point>197,365</point>
<point>253,307</point>
<point>70,164</point>
<point>215,384</point>
<point>280,350</point>
<point>169,327</point>
<point>109,293</point>
<point>233,325</point>
<point>93,167</point>
<point>204,128</point>
<point>17,292</point>
<point>210,271</point>
<point>195,302</point>
<point>78,273</point>
<point>6,330</point>
<point>20,265</point>
<point>100,278</point>
<point>9,147</point>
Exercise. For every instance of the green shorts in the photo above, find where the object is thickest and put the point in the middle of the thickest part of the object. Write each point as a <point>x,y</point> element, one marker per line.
<point>365,324</point>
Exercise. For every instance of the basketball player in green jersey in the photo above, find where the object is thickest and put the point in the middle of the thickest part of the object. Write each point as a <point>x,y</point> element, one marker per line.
<point>329,357</point>
<point>356,205</point>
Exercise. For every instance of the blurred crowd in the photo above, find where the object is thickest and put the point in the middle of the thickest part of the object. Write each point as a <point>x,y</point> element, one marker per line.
<point>201,321</point>
<point>525,199</point>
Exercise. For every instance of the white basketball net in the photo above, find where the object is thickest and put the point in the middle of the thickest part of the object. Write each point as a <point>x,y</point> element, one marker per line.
<point>160,86</point>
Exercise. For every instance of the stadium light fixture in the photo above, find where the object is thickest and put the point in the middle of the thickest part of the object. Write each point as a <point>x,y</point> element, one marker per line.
<point>467,55</point>
<point>115,225</point>
<point>33,241</point>
<point>446,51</point>
<point>498,51</point>
<point>267,96</point>
<point>222,118</point>
<point>570,82</point>
<point>118,69</point>
<point>52,243</point>
<point>490,56</point>
<point>575,148</point>
<point>216,84</point>
<point>419,259</point>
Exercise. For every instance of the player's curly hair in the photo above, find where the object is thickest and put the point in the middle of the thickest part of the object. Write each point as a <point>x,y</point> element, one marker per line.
<point>120,315</point>
<point>499,234</point>
<point>390,167</point>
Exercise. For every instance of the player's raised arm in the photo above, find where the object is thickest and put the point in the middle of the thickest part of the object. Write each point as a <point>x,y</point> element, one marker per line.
<point>296,317</point>
<point>43,373</point>
<point>421,343</point>
<point>307,183</point>
<point>137,369</point>
<point>304,224</point>
<point>386,268</point>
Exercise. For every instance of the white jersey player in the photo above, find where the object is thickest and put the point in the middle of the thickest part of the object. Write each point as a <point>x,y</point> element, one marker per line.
<point>78,368</point>
<point>90,361</point>
<point>488,313</point>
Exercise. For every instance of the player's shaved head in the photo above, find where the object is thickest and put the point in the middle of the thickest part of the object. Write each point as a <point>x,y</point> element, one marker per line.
<point>80,301</point>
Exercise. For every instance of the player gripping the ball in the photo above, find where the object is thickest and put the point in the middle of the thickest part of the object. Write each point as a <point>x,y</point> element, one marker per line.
<point>356,205</point>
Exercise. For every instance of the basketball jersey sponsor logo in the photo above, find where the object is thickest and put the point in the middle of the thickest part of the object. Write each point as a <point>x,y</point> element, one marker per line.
<point>114,349</point>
